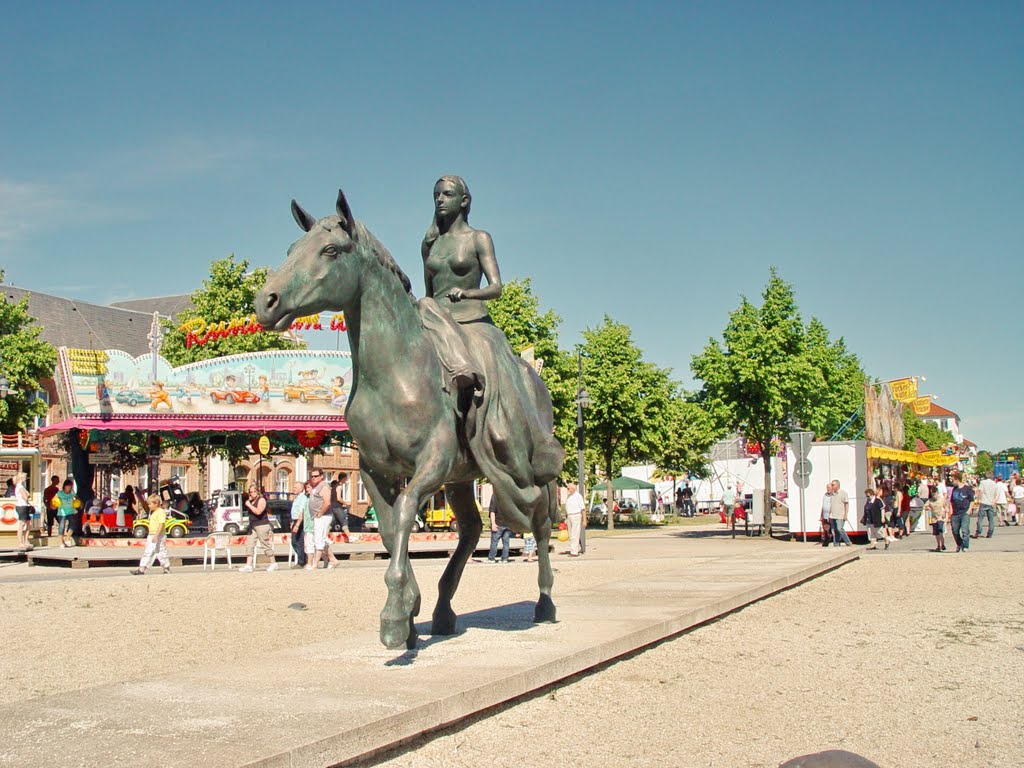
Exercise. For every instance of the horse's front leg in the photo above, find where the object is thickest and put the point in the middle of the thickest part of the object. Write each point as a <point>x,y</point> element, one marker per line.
<point>396,620</point>
<point>461,497</point>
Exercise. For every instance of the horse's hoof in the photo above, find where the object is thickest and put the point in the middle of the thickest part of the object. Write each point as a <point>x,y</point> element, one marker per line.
<point>443,622</point>
<point>545,610</point>
<point>395,634</point>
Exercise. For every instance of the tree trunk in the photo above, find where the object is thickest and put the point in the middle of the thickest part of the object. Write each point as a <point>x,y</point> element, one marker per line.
<point>766,457</point>
<point>609,502</point>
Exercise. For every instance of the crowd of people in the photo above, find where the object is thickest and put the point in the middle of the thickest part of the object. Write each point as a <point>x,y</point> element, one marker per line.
<point>892,510</point>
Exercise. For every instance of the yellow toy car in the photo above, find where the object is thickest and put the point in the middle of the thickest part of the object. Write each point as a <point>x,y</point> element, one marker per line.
<point>174,527</point>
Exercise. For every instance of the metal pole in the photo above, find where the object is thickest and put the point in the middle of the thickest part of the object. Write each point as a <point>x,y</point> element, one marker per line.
<point>803,514</point>
<point>579,429</point>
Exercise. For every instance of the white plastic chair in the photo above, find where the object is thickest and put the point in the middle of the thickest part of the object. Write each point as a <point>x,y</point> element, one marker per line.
<point>293,558</point>
<point>218,541</point>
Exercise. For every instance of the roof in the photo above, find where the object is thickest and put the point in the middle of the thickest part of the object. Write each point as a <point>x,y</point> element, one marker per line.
<point>938,412</point>
<point>174,423</point>
<point>969,444</point>
<point>82,325</point>
<point>168,306</point>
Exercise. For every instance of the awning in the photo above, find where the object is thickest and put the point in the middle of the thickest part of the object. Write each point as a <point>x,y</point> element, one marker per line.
<point>163,422</point>
<point>631,484</point>
<point>926,459</point>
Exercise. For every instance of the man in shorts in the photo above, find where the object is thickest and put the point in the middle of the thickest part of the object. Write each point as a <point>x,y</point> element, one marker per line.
<point>320,498</point>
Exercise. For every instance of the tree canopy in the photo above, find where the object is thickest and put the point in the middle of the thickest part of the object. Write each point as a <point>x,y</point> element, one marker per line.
<point>517,312</point>
<point>927,432</point>
<point>227,294</point>
<point>25,359</point>
<point>629,398</point>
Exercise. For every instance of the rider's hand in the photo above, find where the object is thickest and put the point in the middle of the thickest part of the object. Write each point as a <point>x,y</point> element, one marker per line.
<point>456,295</point>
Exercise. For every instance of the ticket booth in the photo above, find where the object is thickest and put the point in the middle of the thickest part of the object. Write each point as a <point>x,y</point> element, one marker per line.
<point>19,454</point>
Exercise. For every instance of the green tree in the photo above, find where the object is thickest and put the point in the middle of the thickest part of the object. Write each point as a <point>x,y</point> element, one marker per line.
<point>759,376</point>
<point>985,464</point>
<point>927,432</point>
<point>517,312</point>
<point>25,359</point>
<point>629,400</point>
<point>842,392</point>
<point>689,434</point>
<point>228,294</point>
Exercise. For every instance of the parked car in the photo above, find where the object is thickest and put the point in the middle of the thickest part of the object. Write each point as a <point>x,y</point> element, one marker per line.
<point>233,396</point>
<point>307,392</point>
<point>132,397</point>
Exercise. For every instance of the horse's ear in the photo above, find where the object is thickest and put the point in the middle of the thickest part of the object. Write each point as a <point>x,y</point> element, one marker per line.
<point>344,213</point>
<point>302,218</point>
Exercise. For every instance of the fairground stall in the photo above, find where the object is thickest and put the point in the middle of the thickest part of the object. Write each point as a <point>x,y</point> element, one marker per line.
<point>19,453</point>
<point>860,464</point>
<point>286,402</point>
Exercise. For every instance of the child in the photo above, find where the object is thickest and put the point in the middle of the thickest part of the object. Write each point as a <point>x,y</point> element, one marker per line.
<point>529,547</point>
<point>937,513</point>
<point>156,542</point>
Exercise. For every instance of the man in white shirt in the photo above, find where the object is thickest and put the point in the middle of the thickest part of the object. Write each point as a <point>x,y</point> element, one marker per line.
<point>574,508</point>
<point>826,508</point>
<point>987,493</point>
<point>838,513</point>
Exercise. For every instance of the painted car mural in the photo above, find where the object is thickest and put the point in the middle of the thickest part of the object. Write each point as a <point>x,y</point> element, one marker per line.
<point>284,382</point>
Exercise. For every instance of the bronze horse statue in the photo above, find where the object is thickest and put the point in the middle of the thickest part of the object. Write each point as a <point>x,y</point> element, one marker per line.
<point>408,425</point>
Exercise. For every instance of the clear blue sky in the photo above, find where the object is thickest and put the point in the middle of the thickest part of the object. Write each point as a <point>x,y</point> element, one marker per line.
<point>649,161</point>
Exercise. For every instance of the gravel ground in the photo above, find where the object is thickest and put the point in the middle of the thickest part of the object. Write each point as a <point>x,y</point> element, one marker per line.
<point>909,658</point>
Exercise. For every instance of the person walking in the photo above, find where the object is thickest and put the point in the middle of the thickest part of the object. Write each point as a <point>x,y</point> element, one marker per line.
<point>1002,501</point>
<point>838,515</point>
<point>66,504</point>
<point>938,514</point>
<point>826,509</point>
<point>987,493</point>
<point>499,533</point>
<point>260,536</point>
<point>51,512</point>
<point>156,541</point>
<point>873,518</point>
<point>1017,493</point>
<point>23,510</point>
<point>961,500</point>
<point>728,504</point>
<point>320,501</point>
<point>299,505</point>
<point>574,509</point>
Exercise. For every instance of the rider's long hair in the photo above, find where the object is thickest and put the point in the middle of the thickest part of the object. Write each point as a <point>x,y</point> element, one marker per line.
<point>433,231</point>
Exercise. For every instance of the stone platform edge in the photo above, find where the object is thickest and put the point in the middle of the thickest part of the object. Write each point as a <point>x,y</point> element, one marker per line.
<point>373,738</point>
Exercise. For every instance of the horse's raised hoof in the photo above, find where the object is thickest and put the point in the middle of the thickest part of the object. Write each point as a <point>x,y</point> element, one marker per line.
<point>545,610</point>
<point>443,622</point>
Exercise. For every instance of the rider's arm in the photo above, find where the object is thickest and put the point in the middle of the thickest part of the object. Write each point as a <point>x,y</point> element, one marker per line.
<point>489,266</point>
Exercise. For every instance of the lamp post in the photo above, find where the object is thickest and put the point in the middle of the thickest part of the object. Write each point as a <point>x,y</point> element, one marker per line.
<point>582,401</point>
<point>5,387</point>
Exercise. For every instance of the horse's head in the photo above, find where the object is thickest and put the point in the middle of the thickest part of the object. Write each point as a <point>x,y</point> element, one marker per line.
<point>320,272</point>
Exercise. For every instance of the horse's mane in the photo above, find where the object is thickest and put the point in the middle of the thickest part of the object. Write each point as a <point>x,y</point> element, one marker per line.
<point>364,235</point>
<point>383,256</point>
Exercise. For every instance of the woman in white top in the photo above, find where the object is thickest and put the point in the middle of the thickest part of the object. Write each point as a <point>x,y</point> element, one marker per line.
<point>1018,502</point>
<point>23,506</point>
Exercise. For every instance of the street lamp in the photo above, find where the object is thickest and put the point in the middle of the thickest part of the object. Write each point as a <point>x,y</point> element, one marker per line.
<point>4,387</point>
<point>582,401</point>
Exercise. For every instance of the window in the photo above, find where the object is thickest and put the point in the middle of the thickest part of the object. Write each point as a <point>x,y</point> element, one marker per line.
<point>281,485</point>
<point>345,450</point>
<point>944,424</point>
<point>241,475</point>
<point>144,477</point>
<point>361,493</point>
<point>346,487</point>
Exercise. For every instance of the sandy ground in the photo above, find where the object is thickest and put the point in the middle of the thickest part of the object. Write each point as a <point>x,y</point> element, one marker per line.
<point>907,657</point>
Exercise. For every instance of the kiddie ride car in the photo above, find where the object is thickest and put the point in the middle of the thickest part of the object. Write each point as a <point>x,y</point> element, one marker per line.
<point>176,525</point>
<point>103,519</point>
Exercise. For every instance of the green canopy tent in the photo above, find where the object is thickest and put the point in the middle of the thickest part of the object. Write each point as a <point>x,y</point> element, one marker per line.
<point>631,484</point>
